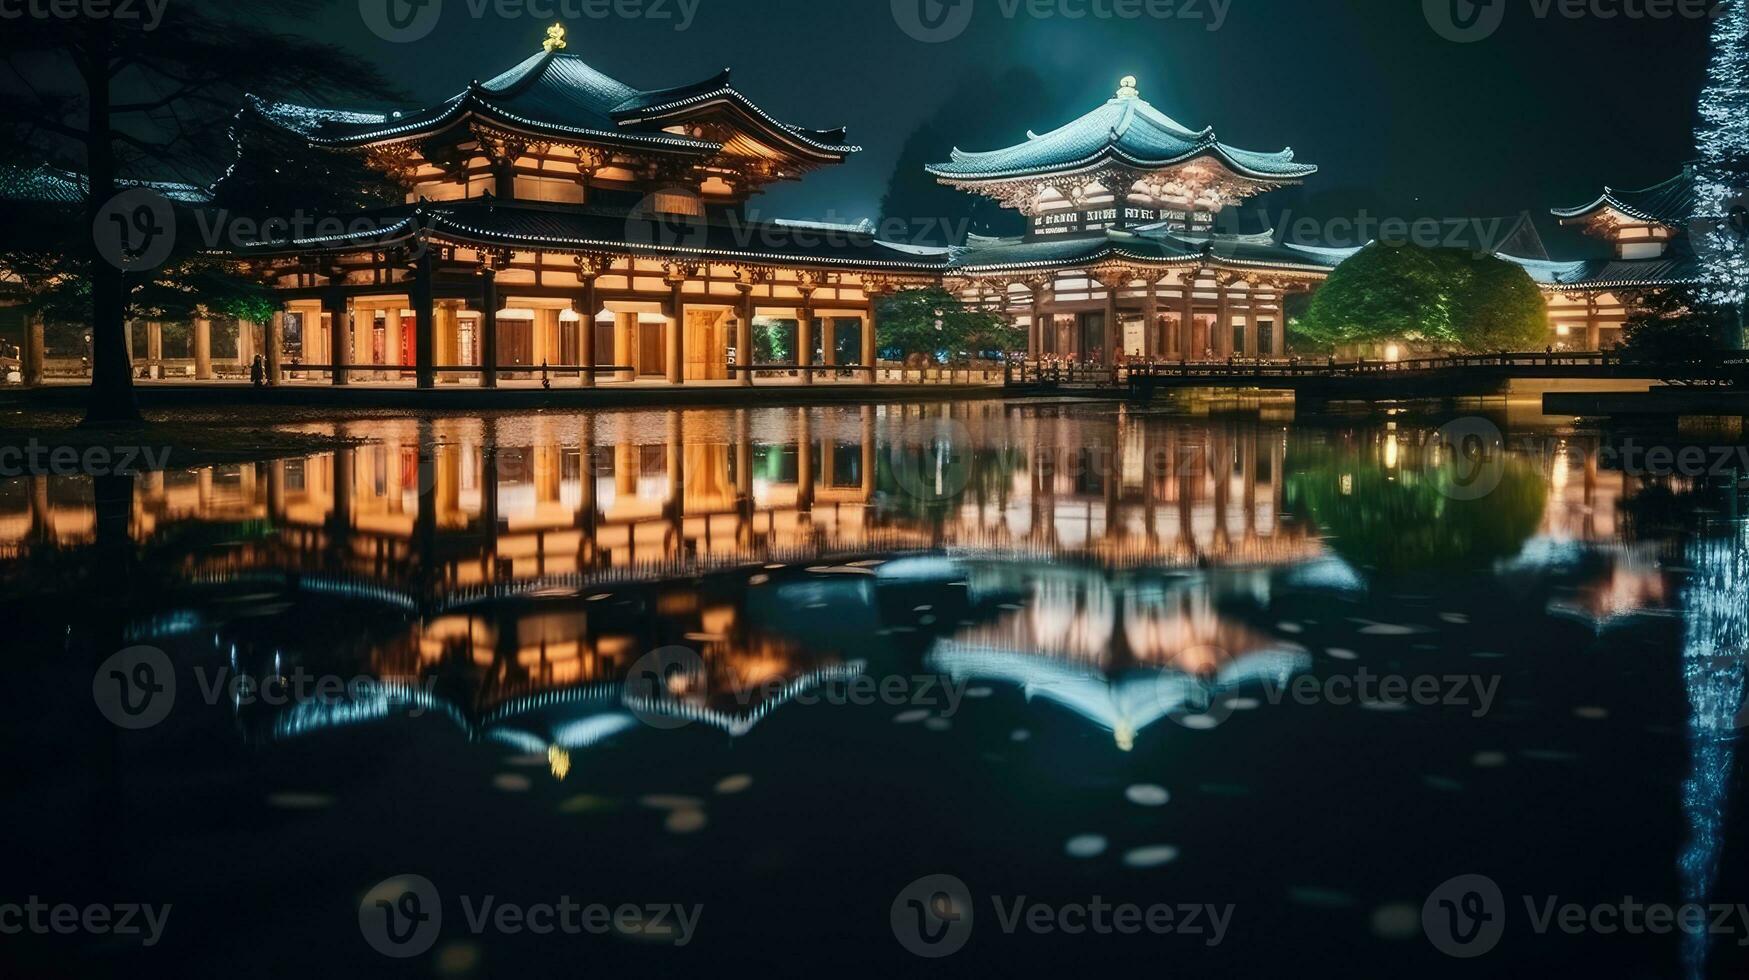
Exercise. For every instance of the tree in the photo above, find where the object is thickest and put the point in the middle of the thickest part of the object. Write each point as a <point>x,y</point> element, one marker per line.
<point>1721,225</point>
<point>115,96</point>
<point>1442,297</point>
<point>1676,323</point>
<point>1494,304</point>
<point>936,323</point>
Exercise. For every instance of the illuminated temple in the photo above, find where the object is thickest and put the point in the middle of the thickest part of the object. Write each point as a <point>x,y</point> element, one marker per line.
<point>1121,259</point>
<point>558,222</point>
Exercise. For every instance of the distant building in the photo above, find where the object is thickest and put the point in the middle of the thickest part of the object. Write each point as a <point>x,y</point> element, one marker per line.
<point>1121,259</point>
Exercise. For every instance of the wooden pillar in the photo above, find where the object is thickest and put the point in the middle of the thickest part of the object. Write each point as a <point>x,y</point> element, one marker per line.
<point>829,341</point>
<point>32,368</point>
<point>394,326</point>
<point>488,327</point>
<point>1223,339</point>
<point>547,346</point>
<point>446,345</point>
<point>335,305</point>
<point>1593,327</point>
<point>625,345</point>
<point>424,325</point>
<point>275,341</point>
<point>588,308</point>
<point>203,349</point>
<point>676,333</point>
<point>245,344</point>
<point>744,335</point>
<point>1111,339</point>
<point>805,337</point>
<point>155,348</point>
<point>870,352</point>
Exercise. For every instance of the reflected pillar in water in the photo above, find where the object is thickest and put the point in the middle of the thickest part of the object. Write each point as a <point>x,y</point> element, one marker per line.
<point>42,518</point>
<point>804,465</point>
<point>676,452</point>
<point>743,479</point>
<point>587,519</point>
<point>868,453</point>
<point>340,480</point>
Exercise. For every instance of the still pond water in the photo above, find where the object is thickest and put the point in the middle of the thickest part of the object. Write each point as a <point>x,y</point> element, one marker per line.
<point>1028,689</point>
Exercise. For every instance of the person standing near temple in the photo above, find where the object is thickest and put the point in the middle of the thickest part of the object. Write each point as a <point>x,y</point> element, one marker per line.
<point>258,371</point>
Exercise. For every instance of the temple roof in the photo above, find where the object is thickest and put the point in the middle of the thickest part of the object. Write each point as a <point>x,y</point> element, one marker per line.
<point>1671,202</point>
<point>557,94</point>
<point>1125,130</point>
<point>44,184</point>
<point>485,222</point>
<point>1149,245</point>
<point>1677,267</point>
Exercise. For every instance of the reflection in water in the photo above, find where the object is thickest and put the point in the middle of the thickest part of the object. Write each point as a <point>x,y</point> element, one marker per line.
<point>1714,657</point>
<point>512,576</point>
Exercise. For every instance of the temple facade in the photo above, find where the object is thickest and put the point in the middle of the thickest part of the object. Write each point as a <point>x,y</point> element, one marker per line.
<point>1121,260</point>
<point>1590,300</point>
<point>559,221</point>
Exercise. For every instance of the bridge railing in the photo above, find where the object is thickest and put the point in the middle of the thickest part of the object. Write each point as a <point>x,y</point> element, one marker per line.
<point>1050,373</point>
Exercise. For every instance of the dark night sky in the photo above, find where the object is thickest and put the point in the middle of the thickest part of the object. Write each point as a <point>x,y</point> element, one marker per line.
<point>1542,113</point>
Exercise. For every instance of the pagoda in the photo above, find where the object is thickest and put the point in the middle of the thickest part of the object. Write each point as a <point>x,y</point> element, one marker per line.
<point>1647,230</point>
<point>1121,260</point>
<point>558,220</point>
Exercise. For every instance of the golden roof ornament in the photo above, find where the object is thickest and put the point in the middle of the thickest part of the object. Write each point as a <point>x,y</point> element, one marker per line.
<point>555,38</point>
<point>1126,88</point>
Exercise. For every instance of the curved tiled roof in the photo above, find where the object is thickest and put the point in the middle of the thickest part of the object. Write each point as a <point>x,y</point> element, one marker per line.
<point>1677,267</point>
<point>488,223</point>
<point>1671,202</point>
<point>559,94</point>
<point>44,184</point>
<point>1127,130</point>
<point>1143,245</point>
